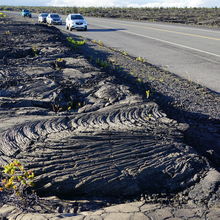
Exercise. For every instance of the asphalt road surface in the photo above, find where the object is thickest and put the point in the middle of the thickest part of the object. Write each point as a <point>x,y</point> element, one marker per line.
<point>190,52</point>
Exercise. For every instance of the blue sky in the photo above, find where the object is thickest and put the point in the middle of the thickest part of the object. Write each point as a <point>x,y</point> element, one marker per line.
<point>116,3</point>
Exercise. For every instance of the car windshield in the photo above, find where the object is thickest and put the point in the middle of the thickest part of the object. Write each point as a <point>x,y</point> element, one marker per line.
<point>76,17</point>
<point>44,14</point>
<point>25,10</point>
<point>55,16</point>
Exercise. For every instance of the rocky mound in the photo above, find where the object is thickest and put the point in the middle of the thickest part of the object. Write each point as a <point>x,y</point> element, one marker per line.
<point>107,152</point>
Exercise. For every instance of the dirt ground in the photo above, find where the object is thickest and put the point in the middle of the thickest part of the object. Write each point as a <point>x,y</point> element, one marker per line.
<point>100,128</point>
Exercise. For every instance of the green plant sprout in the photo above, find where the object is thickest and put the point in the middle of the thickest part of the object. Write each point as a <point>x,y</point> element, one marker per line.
<point>60,63</point>
<point>141,59</point>
<point>2,15</point>
<point>75,43</point>
<point>16,178</point>
<point>74,105</point>
<point>151,78</point>
<point>147,92</point>
<point>100,43</point>
<point>59,59</point>
<point>35,50</point>
<point>139,80</point>
<point>124,53</point>
<point>102,63</point>
<point>7,32</point>
<point>149,117</point>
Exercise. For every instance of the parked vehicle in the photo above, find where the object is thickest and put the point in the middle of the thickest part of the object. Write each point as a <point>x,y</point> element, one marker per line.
<point>26,13</point>
<point>42,18</point>
<point>54,19</point>
<point>76,21</point>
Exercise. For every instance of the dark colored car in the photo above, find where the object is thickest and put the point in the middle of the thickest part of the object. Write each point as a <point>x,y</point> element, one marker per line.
<point>26,13</point>
<point>42,18</point>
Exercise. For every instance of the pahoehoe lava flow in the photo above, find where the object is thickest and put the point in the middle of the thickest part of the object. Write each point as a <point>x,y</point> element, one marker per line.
<point>86,131</point>
<point>106,152</point>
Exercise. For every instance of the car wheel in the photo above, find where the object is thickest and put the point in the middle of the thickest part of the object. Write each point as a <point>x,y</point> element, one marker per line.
<point>85,29</point>
<point>70,28</point>
<point>67,27</point>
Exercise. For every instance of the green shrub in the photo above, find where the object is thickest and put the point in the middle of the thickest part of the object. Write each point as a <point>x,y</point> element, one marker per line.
<point>102,63</point>
<point>75,43</point>
<point>141,59</point>
<point>16,179</point>
<point>2,15</point>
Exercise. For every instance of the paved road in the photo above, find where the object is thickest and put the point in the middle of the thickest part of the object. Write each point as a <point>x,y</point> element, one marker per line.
<point>190,52</point>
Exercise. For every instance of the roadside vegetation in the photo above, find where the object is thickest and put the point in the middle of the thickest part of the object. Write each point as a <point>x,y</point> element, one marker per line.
<point>16,178</point>
<point>75,43</point>
<point>198,16</point>
<point>15,185</point>
<point>2,15</point>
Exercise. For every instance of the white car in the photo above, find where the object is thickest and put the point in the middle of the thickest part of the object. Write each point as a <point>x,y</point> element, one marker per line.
<point>42,17</point>
<point>54,19</point>
<point>76,21</point>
